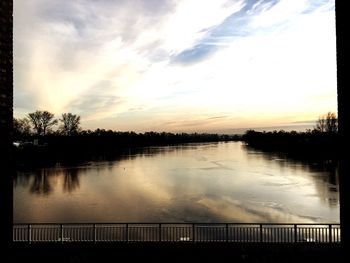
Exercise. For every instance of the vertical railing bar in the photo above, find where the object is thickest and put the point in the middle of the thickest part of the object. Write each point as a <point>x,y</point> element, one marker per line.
<point>273,236</point>
<point>283,234</point>
<point>183,232</point>
<point>330,234</point>
<point>324,236</point>
<point>94,233</point>
<point>280,233</point>
<point>61,227</point>
<point>194,232</point>
<point>127,233</point>
<point>295,233</point>
<point>276,234</point>
<point>290,234</point>
<point>172,233</point>
<point>248,234</point>
<point>160,232</point>
<point>267,237</point>
<point>244,230</point>
<point>29,233</point>
<point>312,230</point>
<point>286,235</point>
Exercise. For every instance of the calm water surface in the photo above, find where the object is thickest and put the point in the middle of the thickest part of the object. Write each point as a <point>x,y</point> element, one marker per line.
<point>212,182</point>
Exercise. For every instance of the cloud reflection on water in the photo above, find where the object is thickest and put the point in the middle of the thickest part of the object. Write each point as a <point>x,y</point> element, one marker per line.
<point>180,184</point>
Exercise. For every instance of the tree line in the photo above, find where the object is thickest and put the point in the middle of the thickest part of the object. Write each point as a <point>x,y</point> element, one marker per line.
<point>42,123</point>
<point>69,142</point>
<point>64,138</point>
<point>321,142</point>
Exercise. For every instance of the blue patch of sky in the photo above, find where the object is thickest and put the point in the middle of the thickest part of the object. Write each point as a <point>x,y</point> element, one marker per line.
<point>312,5</point>
<point>232,27</point>
<point>236,26</point>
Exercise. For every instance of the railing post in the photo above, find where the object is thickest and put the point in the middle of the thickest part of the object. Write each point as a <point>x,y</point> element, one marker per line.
<point>261,232</point>
<point>295,233</point>
<point>330,234</point>
<point>61,227</point>
<point>160,232</point>
<point>29,233</point>
<point>95,233</point>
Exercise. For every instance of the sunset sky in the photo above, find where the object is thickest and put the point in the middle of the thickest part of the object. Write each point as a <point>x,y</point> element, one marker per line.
<point>176,65</point>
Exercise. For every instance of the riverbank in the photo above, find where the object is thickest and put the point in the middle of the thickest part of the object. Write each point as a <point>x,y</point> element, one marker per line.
<point>297,145</point>
<point>100,145</point>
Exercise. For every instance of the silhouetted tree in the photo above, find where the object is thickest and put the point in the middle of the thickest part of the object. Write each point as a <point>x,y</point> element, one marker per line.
<point>21,128</point>
<point>70,124</point>
<point>327,123</point>
<point>42,121</point>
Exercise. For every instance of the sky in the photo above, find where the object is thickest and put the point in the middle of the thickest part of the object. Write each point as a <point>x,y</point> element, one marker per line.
<point>176,65</point>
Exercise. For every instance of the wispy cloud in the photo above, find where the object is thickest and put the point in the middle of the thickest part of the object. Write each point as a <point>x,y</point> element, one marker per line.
<point>217,117</point>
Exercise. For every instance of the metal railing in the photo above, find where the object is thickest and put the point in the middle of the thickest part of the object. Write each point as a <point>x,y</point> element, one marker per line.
<point>177,232</point>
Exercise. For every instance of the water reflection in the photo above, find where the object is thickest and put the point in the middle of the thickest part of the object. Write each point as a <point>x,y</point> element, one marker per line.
<point>41,183</point>
<point>215,182</point>
<point>324,173</point>
<point>71,180</point>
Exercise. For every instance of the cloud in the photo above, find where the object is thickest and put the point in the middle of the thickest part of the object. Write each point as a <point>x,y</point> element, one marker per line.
<point>183,61</point>
<point>217,117</point>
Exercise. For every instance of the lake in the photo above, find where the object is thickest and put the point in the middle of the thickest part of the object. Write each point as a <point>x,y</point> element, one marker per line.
<point>200,182</point>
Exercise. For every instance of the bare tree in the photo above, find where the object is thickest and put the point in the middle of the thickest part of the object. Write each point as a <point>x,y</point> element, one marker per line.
<point>321,124</point>
<point>42,121</point>
<point>70,124</point>
<point>327,123</point>
<point>21,127</point>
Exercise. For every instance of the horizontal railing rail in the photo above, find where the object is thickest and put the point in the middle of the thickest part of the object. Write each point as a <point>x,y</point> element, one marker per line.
<point>177,232</point>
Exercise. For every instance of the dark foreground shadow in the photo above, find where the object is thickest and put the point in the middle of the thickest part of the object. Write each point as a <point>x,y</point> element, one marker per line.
<point>155,252</point>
